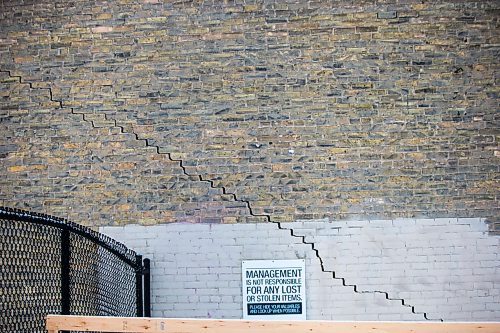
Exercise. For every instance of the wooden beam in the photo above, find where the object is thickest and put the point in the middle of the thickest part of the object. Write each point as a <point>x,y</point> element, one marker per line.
<point>56,323</point>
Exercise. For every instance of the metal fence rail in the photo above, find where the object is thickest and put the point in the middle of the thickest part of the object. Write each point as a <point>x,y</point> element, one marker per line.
<point>50,265</point>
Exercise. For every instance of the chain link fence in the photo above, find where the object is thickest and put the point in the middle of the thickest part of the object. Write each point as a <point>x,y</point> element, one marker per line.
<point>53,266</point>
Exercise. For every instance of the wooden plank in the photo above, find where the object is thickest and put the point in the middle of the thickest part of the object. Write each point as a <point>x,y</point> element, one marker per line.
<point>165,325</point>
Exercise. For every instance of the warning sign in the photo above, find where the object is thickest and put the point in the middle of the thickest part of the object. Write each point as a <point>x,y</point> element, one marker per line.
<point>274,289</point>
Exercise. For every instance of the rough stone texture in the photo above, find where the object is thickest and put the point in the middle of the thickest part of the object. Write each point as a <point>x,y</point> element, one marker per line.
<point>305,109</point>
<point>446,268</point>
<point>53,159</point>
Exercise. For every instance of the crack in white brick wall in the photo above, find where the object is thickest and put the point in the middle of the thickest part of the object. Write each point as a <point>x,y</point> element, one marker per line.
<point>447,267</point>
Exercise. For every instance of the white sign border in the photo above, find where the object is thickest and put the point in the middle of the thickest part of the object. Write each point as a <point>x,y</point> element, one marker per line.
<point>265,264</point>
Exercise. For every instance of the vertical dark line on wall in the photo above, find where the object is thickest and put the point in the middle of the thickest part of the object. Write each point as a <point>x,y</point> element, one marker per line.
<point>147,287</point>
<point>65,272</point>
<point>138,286</point>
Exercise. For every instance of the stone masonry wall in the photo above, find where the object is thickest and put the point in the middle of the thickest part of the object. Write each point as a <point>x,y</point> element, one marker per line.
<point>116,112</point>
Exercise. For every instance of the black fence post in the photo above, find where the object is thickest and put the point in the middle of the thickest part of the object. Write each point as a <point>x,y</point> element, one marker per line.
<point>147,288</point>
<point>65,272</point>
<point>138,285</point>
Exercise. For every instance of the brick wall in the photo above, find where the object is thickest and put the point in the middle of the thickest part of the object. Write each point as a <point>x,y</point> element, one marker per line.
<point>444,268</point>
<point>117,112</point>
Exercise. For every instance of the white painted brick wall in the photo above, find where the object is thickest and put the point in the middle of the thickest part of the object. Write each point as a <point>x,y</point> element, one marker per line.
<point>448,268</point>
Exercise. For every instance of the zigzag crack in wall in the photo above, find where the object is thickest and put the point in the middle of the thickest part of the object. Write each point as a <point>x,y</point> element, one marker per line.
<point>180,162</point>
